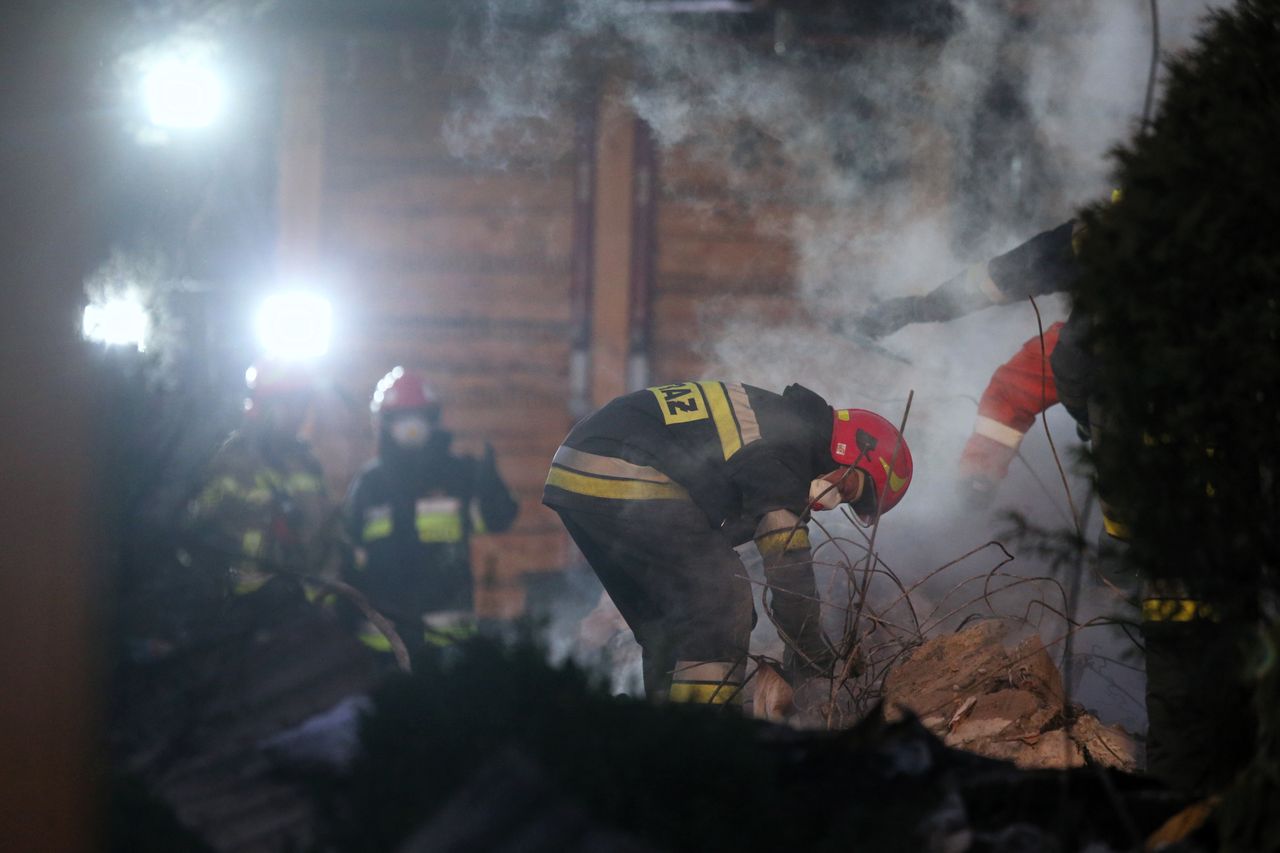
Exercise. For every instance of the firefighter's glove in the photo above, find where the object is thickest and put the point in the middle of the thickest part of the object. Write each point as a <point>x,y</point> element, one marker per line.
<point>978,492</point>
<point>888,316</point>
<point>816,662</point>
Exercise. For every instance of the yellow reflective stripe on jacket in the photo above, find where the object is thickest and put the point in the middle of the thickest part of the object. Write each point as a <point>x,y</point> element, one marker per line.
<point>782,541</point>
<point>376,528</point>
<point>245,580</point>
<point>748,426</point>
<point>372,638</point>
<point>438,519</point>
<point>477,519</point>
<point>606,466</point>
<point>377,523</point>
<point>1115,529</point>
<point>780,531</point>
<point>303,482</point>
<point>604,487</point>
<point>443,636</point>
<point>442,526</point>
<point>1175,610</point>
<point>722,417</point>
<point>251,542</point>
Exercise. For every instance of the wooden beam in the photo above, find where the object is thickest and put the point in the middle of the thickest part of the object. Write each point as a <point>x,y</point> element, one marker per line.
<point>300,187</point>
<point>58,139</point>
<point>614,244</point>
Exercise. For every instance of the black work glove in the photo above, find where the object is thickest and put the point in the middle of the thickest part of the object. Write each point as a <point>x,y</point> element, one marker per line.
<point>888,316</point>
<point>816,662</point>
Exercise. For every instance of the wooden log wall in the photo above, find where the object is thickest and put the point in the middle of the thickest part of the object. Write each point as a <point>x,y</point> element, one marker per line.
<point>459,270</point>
<point>464,269</point>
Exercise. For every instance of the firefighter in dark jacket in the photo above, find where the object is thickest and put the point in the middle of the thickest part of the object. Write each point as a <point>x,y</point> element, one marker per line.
<point>262,506</point>
<point>659,486</point>
<point>1043,265</point>
<point>1190,663</point>
<point>411,514</point>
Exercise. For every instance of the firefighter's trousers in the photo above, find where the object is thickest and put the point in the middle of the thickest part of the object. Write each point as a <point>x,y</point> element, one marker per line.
<point>1200,729</point>
<point>682,589</point>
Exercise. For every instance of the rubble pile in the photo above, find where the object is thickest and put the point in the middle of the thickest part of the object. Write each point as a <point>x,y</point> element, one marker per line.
<point>979,691</point>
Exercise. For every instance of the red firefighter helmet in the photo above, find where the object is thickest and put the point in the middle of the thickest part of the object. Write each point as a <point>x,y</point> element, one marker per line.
<point>867,441</point>
<point>401,391</point>
<point>271,379</point>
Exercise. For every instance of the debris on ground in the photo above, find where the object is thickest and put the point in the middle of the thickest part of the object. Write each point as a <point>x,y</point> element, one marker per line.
<point>981,692</point>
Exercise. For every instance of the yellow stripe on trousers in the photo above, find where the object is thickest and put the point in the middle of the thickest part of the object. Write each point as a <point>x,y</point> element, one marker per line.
<point>722,415</point>
<point>715,693</point>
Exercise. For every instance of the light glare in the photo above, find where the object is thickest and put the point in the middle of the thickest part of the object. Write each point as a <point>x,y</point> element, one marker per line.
<point>120,321</point>
<point>295,325</point>
<point>182,94</point>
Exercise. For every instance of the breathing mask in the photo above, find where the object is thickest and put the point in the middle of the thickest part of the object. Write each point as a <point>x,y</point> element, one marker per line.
<point>410,432</point>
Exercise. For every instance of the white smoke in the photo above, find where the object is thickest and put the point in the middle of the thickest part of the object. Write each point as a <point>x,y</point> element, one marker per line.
<point>865,148</point>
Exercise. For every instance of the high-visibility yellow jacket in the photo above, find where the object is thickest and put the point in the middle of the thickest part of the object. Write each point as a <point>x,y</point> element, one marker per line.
<point>261,507</point>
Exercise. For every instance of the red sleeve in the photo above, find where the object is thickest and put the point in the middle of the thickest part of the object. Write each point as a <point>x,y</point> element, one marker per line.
<point>1019,390</point>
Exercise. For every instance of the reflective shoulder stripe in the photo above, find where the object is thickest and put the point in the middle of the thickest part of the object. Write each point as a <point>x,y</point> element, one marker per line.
<point>722,416</point>
<point>606,466</point>
<point>748,426</point>
<point>978,278</point>
<point>996,431</point>
<point>603,487</point>
<point>477,518</point>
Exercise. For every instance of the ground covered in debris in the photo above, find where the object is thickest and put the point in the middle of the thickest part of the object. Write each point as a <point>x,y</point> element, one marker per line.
<point>497,750</point>
<point>978,692</point>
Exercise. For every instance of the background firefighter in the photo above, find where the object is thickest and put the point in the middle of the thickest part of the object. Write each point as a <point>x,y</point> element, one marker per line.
<point>411,513</point>
<point>262,505</point>
<point>1020,389</point>
<point>659,486</point>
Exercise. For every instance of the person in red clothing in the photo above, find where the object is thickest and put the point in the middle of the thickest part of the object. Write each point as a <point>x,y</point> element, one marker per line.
<point>1019,390</point>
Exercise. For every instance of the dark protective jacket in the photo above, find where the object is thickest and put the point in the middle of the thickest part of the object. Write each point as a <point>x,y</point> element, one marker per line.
<point>412,515</point>
<point>1042,265</point>
<point>262,505</point>
<point>738,452</point>
<point>743,458</point>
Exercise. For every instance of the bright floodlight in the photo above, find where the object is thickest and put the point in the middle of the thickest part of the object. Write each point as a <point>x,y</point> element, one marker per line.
<point>295,325</point>
<point>182,93</point>
<point>119,321</point>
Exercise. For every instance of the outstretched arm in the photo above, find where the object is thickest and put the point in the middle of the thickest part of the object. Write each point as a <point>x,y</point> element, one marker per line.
<point>783,542</point>
<point>1044,264</point>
